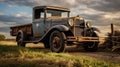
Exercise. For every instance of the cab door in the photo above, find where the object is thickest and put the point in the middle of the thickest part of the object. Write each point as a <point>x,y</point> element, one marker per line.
<point>38,27</point>
<point>38,22</point>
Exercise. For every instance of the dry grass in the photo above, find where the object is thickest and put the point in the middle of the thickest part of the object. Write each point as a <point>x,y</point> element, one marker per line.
<point>14,56</point>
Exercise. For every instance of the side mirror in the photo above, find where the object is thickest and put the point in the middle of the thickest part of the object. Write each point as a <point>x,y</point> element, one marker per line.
<point>88,24</point>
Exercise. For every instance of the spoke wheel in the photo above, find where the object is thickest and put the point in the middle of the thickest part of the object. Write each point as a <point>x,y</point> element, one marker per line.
<point>91,46</point>
<point>57,41</point>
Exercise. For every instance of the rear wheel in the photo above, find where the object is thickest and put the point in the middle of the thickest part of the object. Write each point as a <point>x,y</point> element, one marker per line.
<point>20,39</point>
<point>57,43</point>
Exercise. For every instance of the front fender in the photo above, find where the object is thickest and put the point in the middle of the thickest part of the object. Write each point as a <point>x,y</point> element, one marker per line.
<point>95,29</point>
<point>89,31</point>
<point>60,28</point>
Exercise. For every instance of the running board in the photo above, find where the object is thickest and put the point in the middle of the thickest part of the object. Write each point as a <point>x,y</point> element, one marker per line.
<point>83,39</point>
<point>33,40</point>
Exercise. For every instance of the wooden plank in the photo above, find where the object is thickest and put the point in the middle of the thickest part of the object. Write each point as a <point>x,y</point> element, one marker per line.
<point>27,28</point>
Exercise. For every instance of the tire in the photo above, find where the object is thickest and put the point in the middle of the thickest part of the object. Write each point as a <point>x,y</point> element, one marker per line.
<point>57,43</point>
<point>91,46</point>
<point>20,39</point>
<point>46,44</point>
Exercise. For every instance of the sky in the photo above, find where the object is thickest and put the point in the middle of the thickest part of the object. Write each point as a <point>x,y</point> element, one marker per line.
<point>101,12</point>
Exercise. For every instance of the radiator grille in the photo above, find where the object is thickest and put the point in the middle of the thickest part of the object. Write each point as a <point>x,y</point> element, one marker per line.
<point>77,29</point>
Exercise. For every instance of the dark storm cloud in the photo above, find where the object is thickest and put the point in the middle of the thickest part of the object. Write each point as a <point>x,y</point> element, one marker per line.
<point>102,5</point>
<point>12,18</point>
<point>32,3</point>
<point>100,12</point>
<point>18,2</point>
<point>105,6</point>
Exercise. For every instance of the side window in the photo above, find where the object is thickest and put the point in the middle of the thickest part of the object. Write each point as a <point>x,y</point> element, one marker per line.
<point>42,15</point>
<point>48,15</point>
<point>38,13</point>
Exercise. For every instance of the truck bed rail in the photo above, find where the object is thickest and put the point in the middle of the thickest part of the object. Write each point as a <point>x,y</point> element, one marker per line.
<point>27,28</point>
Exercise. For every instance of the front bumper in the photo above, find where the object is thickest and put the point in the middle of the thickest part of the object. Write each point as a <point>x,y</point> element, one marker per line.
<point>83,39</point>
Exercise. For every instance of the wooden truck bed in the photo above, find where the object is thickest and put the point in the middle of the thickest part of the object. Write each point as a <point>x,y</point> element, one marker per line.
<point>27,28</point>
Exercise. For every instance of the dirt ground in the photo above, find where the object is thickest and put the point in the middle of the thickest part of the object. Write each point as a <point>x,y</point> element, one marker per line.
<point>102,54</point>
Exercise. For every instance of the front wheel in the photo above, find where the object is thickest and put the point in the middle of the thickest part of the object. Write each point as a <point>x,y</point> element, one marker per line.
<point>57,43</point>
<point>46,44</point>
<point>91,46</point>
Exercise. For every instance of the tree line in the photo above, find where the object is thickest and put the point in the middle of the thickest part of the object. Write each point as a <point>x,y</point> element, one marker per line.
<point>2,37</point>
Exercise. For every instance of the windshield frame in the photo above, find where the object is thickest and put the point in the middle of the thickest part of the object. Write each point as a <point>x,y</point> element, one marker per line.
<point>67,13</point>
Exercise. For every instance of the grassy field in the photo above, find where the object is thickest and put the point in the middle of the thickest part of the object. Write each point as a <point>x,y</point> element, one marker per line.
<point>14,56</point>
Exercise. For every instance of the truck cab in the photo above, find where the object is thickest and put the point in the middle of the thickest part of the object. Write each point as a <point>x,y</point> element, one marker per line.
<point>43,17</point>
<point>55,28</point>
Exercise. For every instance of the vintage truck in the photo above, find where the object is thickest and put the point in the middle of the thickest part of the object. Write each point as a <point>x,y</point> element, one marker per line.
<point>54,27</point>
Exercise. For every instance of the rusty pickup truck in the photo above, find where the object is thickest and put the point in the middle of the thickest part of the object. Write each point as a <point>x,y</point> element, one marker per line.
<point>54,27</point>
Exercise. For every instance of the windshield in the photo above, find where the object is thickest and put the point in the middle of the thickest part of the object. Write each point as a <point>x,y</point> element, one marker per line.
<point>55,13</point>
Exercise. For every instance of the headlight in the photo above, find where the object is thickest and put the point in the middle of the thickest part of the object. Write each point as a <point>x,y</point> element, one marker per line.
<point>88,23</point>
<point>81,18</point>
<point>70,22</point>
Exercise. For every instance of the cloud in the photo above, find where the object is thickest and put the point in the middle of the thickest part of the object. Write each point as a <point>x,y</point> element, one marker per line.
<point>18,18</point>
<point>71,2</point>
<point>100,12</point>
<point>107,5</point>
<point>33,3</point>
<point>3,24</point>
<point>4,29</point>
<point>7,35</point>
<point>88,8</point>
<point>6,21</point>
<point>101,5</point>
<point>103,30</point>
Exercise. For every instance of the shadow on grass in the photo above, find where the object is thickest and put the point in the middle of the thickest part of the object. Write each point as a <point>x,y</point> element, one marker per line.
<point>15,51</point>
<point>14,56</point>
<point>18,62</point>
<point>13,48</point>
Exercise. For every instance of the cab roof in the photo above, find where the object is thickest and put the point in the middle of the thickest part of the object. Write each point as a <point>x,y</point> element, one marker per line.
<point>52,8</point>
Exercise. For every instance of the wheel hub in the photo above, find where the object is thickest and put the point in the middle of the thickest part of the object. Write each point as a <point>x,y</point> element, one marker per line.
<point>56,42</point>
